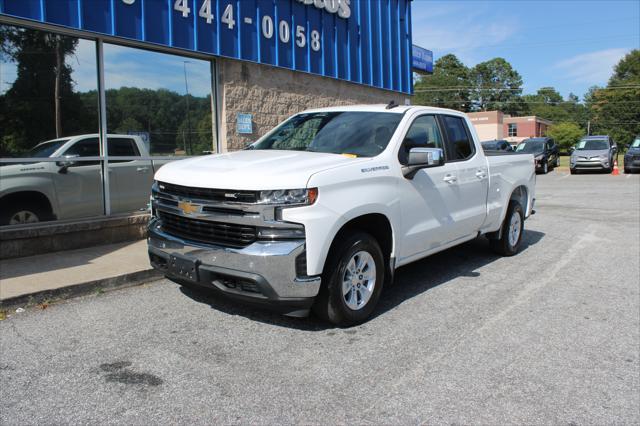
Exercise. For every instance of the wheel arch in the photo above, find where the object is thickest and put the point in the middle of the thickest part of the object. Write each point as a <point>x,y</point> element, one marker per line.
<point>27,196</point>
<point>379,227</point>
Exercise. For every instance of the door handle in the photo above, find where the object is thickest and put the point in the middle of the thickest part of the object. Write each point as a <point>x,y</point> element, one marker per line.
<point>450,179</point>
<point>142,169</point>
<point>481,174</point>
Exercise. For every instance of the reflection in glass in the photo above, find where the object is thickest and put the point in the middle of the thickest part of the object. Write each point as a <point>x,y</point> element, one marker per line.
<point>48,108</point>
<point>163,99</point>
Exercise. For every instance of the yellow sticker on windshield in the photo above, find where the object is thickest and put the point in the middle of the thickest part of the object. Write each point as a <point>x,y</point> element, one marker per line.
<point>349,155</point>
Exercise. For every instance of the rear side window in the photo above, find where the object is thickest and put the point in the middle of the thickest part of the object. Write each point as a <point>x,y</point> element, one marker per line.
<point>423,133</point>
<point>459,145</point>
<point>122,147</point>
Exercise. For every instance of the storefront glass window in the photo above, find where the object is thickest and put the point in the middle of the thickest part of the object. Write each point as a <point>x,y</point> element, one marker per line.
<point>48,111</point>
<point>163,99</point>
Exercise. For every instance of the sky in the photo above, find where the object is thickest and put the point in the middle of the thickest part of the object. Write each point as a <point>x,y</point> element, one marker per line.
<point>570,45</point>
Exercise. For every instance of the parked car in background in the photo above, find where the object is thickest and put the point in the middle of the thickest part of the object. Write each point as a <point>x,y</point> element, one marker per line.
<point>69,189</point>
<point>632,157</point>
<point>544,150</point>
<point>593,153</point>
<point>497,145</point>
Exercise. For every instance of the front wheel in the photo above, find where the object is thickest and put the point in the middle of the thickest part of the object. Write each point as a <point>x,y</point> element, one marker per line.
<point>545,168</point>
<point>21,215</point>
<point>352,281</point>
<point>512,229</point>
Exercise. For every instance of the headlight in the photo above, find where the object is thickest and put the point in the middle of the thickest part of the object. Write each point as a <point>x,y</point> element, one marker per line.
<point>604,156</point>
<point>289,196</point>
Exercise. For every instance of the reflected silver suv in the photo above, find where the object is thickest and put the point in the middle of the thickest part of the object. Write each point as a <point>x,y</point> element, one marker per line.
<point>593,153</point>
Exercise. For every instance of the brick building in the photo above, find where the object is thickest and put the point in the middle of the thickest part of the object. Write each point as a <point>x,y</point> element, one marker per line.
<point>496,125</point>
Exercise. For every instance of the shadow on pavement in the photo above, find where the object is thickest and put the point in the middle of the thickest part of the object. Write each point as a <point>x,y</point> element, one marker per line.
<point>410,281</point>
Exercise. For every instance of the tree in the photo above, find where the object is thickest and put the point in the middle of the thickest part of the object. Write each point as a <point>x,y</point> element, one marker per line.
<point>565,134</point>
<point>614,110</point>
<point>447,87</point>
<point>497,87</point>
<point>42,92</point>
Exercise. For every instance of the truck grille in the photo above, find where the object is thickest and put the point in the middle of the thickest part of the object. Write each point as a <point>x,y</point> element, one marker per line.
<point>205,231</point>
<point>219,195</point>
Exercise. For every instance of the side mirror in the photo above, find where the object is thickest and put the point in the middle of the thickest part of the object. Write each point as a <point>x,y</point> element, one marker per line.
<point>422,158</point>
<point>573,148</point>
<point>68,162</point>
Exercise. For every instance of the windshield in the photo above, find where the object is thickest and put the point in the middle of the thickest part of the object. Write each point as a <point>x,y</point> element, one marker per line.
<point>362,134</point>
<point>636,143</point>
<point>533,147</point>
<point>592,144</point>
<point>45,149</point>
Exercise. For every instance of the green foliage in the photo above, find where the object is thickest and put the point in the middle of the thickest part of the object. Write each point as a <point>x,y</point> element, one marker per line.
<point>447,87</point>
<point>497,86</point>
<point>615,110</point>
<point>566,134</point>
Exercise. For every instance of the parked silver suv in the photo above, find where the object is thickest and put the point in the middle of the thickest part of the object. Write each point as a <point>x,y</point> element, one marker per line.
<point>593,153</point>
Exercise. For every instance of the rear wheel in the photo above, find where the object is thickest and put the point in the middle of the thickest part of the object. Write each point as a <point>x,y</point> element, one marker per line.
<point>512,229</point>
<point>545,168</point>
<point>352,281</point>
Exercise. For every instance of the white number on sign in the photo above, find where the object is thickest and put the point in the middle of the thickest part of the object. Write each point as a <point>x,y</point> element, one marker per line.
<point>315,40</point>
<point>301,40</point>
<point>205,11</point>
<point>267,26</point>
<point>227,17</point>
<point>182,6</point>
<point>285,35</point>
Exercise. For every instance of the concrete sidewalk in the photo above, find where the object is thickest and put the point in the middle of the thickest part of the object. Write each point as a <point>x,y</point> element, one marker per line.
<point>54,275</point>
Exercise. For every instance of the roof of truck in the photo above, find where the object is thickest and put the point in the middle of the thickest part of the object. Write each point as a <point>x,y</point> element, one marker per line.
<point>399,109</point>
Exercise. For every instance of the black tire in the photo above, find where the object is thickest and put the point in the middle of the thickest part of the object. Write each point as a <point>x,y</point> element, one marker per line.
<point>573,171</point>
<point>627,171</point>
<point>504,246</point>
<point>557,163</point>
<point>545,168</point>
<point>330,304</point>
<point>33,211</point>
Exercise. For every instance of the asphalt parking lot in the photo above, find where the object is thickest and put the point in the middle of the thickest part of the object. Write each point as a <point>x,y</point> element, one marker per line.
<point>549,336</point>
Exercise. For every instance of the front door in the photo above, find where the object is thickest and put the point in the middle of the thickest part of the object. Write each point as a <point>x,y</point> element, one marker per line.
<point>427,200</point>
<point>79,186</point>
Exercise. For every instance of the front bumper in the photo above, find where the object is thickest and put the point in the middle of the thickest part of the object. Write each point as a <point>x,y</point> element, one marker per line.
<point>262,273</point>
<point>631,165</point>
<point>590,165</point>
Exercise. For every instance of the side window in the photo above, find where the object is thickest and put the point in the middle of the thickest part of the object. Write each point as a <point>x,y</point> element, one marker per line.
<point>423,133</point>
<point>85,148</point>
<point>459,144</point>
<point>122,147</point>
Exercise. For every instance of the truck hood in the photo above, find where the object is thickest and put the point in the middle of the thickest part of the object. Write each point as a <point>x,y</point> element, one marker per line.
<point>252,169</point>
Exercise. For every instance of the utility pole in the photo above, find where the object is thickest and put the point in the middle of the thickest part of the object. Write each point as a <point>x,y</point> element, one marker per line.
<point>186,89</point>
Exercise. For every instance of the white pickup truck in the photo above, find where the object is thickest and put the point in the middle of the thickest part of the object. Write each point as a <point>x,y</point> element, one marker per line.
<point>70,189</point>
<point>320,212</point>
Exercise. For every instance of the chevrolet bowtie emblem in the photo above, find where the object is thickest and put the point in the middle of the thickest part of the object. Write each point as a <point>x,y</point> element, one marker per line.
<point>187,207</point>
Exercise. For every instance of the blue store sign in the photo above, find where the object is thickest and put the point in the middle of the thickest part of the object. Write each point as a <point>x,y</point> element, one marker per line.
<point>244,123</point>
<point>363,41</point>
<point>422,60</point>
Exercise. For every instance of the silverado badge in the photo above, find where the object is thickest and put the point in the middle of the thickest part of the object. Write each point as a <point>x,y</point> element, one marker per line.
<point>188,208</point>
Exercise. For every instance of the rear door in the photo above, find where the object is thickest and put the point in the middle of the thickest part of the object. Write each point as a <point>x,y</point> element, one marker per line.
<point>133,177</point>
<point>472,185</point>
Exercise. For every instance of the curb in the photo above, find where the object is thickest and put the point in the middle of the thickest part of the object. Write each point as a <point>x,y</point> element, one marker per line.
<point>83,289</point>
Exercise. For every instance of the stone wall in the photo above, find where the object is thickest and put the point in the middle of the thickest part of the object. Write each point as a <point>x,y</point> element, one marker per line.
<point>272,94</point>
